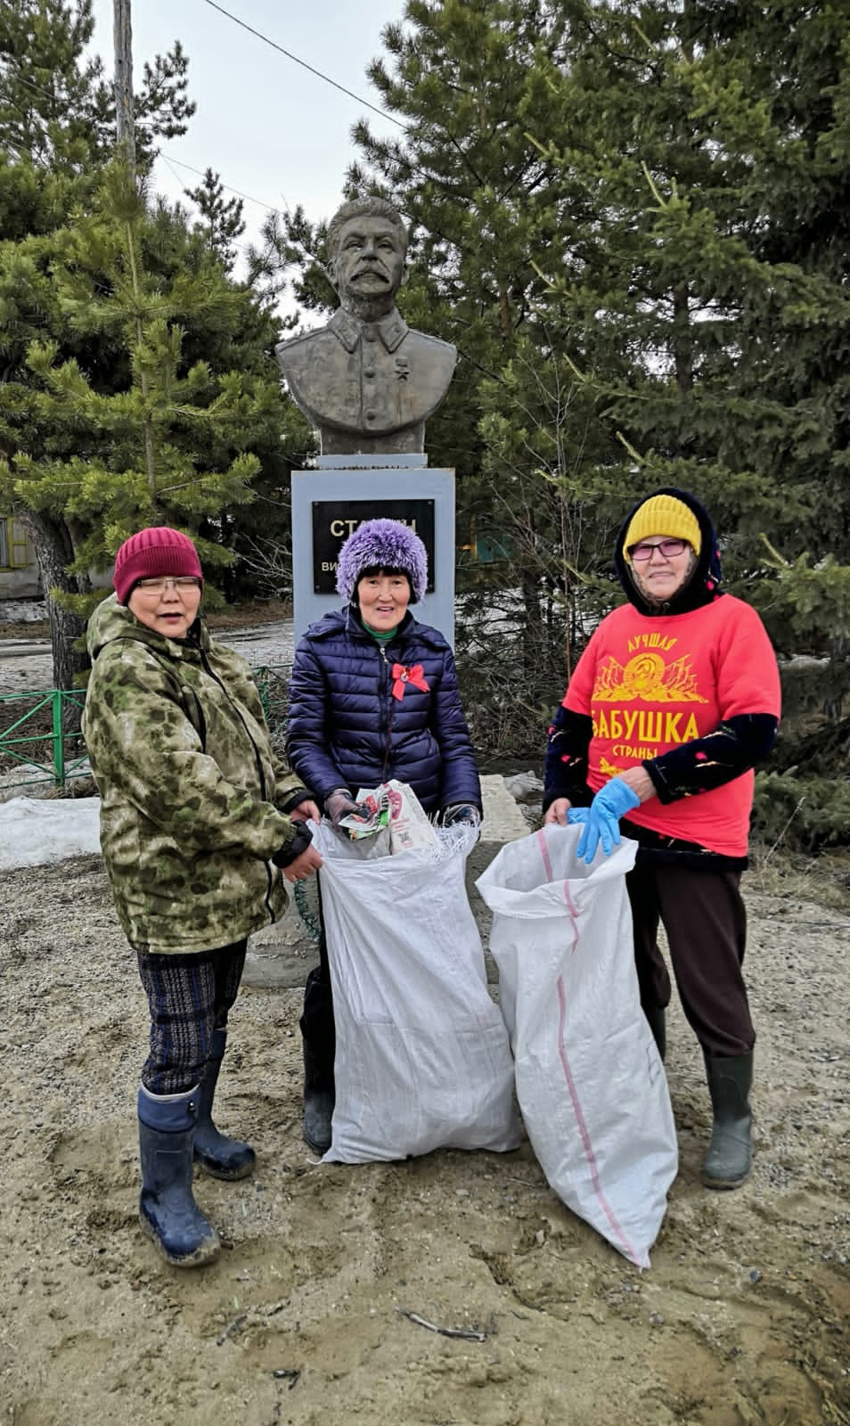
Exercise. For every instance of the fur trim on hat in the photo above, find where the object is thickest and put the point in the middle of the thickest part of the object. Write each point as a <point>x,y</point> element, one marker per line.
<point>382,544</point>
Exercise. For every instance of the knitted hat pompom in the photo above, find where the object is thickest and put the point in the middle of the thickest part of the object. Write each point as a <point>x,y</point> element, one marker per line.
<point>382,544</point>
<point>153,553</point>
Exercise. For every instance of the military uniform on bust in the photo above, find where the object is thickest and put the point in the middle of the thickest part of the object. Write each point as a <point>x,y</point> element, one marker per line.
<point>358,381</point>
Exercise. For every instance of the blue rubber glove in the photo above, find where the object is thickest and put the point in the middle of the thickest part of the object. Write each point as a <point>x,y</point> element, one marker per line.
<point>578,816</point>
<point>603,824</point>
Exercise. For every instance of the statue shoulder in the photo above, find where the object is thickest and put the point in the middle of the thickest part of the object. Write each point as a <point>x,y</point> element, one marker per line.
<point>294,346</point>
<point>436,342</point>
<point>442,354</point>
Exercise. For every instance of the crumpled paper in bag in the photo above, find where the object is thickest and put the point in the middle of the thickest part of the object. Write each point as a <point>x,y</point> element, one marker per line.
<point>395,805</point>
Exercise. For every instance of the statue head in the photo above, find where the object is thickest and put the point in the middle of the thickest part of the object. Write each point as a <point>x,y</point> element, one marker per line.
<point>367,248</point>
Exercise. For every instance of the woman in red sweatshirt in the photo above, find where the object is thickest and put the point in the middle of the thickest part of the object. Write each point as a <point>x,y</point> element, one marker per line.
<point>673,701</point>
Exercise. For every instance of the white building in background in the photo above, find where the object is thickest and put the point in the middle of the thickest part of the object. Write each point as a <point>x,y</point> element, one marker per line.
<point>19,577</point>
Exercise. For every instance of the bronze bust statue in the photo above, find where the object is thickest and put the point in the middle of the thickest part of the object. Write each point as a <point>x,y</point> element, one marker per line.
<point>367,381</point>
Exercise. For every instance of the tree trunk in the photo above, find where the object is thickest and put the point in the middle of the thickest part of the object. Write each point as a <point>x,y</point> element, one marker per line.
<point>532,632</point>
<point>682,340</point>
<point>54,551</point>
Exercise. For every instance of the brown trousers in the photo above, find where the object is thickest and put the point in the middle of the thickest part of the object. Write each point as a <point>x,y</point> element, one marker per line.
<point>706,923</point>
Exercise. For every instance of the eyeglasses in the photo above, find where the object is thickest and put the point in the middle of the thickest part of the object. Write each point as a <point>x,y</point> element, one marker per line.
<point>182,583</point>
<point>667,548</point>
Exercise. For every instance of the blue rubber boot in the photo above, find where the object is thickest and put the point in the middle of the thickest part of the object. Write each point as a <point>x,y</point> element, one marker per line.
<point>168,1212</point>
<point>214,1152</point>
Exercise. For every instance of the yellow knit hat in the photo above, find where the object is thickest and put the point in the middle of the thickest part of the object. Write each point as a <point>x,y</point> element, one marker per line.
<point>663,515</point>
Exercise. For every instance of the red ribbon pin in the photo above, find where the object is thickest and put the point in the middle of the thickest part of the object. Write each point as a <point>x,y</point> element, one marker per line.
<point>403,676</point>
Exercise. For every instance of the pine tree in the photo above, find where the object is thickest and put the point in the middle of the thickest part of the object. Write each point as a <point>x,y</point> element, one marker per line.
<point>730,281</point>
<point>149,431</point>
<point>489,203</point>
<point>57,110</point>
<point>221,224</point>
<point>56,133</point>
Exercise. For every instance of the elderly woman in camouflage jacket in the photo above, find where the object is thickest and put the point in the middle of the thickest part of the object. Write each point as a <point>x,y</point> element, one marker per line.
<point>198,819</point>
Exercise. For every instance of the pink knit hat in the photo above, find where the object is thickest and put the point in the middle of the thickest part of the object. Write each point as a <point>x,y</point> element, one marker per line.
<point>157,551</point>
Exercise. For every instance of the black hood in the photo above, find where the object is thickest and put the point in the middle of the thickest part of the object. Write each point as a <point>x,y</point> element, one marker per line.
<point>704,584</point>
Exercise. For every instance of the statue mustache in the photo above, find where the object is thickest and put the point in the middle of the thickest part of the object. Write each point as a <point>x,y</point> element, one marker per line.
<point>374,266</point>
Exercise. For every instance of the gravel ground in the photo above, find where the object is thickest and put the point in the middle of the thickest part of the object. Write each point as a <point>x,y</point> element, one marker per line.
<point>742,1319</point>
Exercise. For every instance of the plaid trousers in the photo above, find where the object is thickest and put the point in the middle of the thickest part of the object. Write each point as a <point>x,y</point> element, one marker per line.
<point>189,997</point>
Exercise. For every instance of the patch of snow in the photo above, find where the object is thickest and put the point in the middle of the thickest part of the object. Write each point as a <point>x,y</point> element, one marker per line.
<point>22,611</point>
<point>34,832</point>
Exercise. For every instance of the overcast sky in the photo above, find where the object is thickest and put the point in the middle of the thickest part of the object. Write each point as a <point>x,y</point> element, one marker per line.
<point>266,125</point>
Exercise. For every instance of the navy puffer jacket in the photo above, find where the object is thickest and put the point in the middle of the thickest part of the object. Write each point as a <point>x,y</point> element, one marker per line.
<point>347,729</point>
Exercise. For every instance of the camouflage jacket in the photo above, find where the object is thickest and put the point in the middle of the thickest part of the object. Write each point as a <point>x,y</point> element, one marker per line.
<point>191,790</point>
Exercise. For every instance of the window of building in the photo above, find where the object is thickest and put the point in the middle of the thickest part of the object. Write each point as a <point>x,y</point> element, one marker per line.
<point>14,546</point>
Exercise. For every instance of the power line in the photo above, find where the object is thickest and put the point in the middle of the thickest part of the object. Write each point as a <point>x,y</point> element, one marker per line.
<point>384,113</point>
<point>169,158</point>
<point>304,65</point>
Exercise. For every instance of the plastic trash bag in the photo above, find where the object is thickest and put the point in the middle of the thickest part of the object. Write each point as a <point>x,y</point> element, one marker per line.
<point>590,1082</point>
<point>422,1053</point>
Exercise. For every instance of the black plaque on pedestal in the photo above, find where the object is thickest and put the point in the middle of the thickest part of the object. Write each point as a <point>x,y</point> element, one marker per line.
<point>334,520</point>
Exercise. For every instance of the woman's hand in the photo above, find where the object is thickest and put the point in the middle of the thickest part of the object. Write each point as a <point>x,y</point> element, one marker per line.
<point>611,803</point>
<point>306,811</point>
<point>557,811</point>
<point>339,804</point>
<point>640,782</point>
<point>304,866</point>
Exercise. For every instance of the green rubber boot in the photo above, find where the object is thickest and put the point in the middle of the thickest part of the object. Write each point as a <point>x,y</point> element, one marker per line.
<point>730,1155</point>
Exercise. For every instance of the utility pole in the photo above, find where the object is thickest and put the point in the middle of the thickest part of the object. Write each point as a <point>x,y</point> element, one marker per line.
<point>123,37</point>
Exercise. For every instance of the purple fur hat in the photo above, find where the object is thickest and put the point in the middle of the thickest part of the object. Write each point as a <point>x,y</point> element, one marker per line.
<point>382,544</point>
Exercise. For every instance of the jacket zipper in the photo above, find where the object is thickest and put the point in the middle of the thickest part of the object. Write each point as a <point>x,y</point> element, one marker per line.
<point>258,761</point>
<point>387,700</point>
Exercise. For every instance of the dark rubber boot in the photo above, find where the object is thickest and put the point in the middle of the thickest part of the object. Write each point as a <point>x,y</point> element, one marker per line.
<point>319,1033</point>
<point>214,1152</point>
<point>730,1154</point>
<point>319,1099</point>
<point>658,1025</point>
<point>168,1212</point>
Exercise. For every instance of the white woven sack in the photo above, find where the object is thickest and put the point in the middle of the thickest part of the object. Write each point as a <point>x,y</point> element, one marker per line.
<point>589,1079</point>
<point>422,1053</point>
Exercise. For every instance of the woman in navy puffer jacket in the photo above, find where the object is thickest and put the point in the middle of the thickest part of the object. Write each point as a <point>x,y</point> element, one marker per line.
<point>373,696</point>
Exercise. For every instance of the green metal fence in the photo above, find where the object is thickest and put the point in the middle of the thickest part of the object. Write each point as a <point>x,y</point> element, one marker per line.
<point>46,736</point>
<point>272,682</point>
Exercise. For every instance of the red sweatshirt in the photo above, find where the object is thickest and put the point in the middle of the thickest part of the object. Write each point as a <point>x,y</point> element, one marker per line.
<point>652,682</point>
